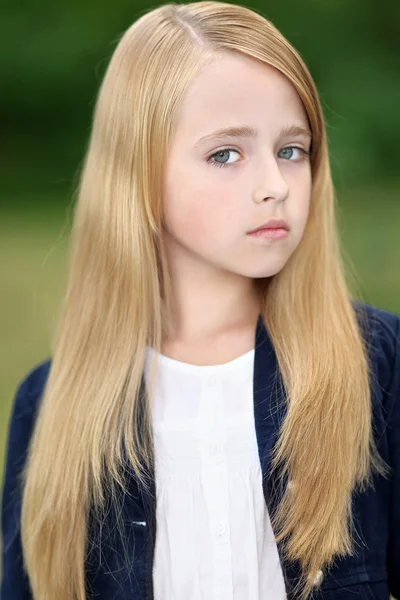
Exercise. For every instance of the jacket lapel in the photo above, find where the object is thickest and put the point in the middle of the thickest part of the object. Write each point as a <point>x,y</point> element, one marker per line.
<point>269,412</point>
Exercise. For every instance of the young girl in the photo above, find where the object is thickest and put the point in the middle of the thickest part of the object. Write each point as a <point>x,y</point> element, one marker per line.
<point>219,418</point>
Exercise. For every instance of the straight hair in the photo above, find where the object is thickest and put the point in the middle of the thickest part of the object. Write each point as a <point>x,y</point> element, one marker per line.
<point>94,421</point>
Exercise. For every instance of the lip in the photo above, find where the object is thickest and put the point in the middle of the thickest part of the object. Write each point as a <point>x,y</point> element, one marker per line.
<point>272,224</point>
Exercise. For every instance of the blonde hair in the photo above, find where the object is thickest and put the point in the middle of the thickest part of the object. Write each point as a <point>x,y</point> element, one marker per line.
<point>94,416</point>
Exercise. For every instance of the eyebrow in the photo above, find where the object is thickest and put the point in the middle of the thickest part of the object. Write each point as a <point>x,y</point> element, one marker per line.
<point>246,131</point>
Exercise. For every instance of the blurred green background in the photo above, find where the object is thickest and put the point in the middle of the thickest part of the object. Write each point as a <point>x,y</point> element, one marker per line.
<point>52,59</point>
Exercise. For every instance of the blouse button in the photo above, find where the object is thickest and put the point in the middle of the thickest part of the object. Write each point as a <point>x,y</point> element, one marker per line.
<point>318,579</point>
<point>221,528</point>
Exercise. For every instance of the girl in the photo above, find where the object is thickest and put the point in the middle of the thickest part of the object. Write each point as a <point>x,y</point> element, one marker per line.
<point>219,419</point>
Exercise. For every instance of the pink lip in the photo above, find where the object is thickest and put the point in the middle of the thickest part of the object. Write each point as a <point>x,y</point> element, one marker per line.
<point>272,224</point>
<point>270,234</point>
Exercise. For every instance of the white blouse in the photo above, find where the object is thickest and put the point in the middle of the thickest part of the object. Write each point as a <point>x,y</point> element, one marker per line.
<point>214,538</point>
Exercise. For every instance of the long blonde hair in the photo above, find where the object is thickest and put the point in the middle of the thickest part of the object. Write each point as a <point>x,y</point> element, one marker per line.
<point>118,298</point>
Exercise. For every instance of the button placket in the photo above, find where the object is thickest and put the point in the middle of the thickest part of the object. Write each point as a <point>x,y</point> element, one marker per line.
<point>221,528</point>
<point>215,450</point>
<point>221,543</point>
<point>214,480</point>
<point>208,409</point>
<point>211,380</point>
<point>215,484</point>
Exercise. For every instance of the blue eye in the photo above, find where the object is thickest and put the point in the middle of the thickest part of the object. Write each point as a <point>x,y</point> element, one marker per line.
<point>305,155</point>
<point>218,164</point>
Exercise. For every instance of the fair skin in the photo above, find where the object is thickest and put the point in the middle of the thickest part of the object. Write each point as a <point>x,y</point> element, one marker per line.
<point>207,210</point>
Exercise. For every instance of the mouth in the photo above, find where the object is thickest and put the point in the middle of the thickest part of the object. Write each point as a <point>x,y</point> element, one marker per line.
<point>271,225</point>
<point>272,233</point>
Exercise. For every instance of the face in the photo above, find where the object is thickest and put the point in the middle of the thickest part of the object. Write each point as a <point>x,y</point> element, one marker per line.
<point>217,190</point>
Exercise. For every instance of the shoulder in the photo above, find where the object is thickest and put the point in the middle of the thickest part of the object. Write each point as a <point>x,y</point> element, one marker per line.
<point>384,345</point>
<point>20,427</point>
<point>384,323</point>
<point>381,331</point>
<point>15,583</point>
<point>31,386</point>
<point>25,404</point>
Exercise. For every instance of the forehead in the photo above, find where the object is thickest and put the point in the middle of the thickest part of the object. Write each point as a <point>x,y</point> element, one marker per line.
<point>239,89</point>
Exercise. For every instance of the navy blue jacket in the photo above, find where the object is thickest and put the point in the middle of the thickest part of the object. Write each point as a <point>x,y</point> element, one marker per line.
<point>372,572</point>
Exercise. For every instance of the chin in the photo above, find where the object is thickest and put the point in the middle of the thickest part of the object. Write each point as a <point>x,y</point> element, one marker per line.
<point>265,271</point>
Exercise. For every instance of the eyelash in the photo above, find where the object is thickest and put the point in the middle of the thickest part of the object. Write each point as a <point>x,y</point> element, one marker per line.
<point>217,164</point>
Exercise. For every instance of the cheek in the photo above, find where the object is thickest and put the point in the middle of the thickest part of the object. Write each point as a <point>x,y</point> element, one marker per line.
<point>302,194</point>
<point>303,208</point>
<point>197,218</point>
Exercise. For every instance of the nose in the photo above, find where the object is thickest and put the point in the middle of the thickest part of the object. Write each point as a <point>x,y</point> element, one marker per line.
<point>274,186</point>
